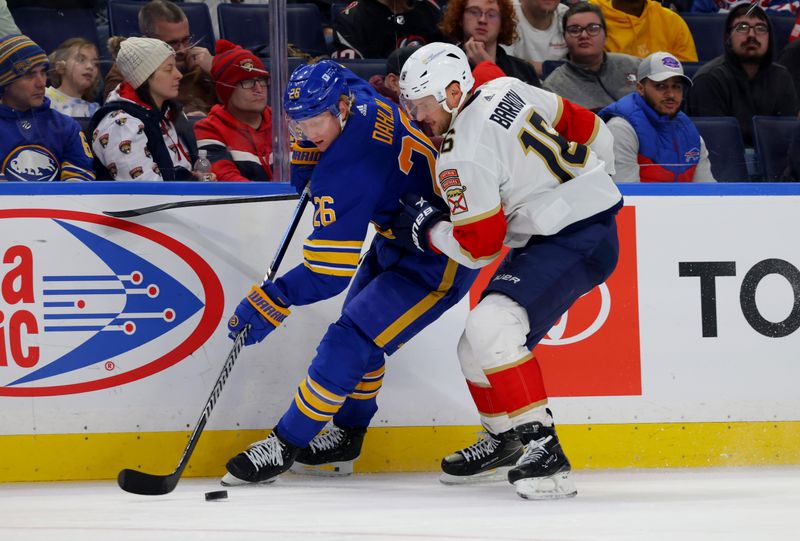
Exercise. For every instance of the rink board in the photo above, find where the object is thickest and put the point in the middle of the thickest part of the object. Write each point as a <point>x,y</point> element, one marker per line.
<point>112,335</point>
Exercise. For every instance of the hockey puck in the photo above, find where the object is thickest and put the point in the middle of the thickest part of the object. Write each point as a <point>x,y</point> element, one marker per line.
<point>216,495</point>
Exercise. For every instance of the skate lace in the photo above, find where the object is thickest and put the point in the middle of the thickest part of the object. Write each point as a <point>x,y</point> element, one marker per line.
<point>328,439</point>
<point>264,452</point>
<point>534,450</point>
<point>485,446</point>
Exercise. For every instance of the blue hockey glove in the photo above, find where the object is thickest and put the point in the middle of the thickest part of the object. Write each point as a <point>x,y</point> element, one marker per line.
<point>302,161</point>
<point>412,226</point>
<point>264,308</point>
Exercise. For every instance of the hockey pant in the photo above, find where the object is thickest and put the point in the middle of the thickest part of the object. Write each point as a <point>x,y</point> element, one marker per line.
<point>530,291</point>
<point>394,295</point>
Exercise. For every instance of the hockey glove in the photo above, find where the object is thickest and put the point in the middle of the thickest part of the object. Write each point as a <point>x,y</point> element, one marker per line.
<point>303,159</point>
<point>264,309</point>
<point>412,226</point>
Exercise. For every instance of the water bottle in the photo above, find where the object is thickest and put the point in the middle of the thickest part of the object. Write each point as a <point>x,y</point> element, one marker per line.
<point>202,167</point>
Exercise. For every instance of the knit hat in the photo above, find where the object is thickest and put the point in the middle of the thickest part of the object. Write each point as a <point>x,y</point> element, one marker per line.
<point>19,55</point>
<point>231,65</point>
<point>139,58</point>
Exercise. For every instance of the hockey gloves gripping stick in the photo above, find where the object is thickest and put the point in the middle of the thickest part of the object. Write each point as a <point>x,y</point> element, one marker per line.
<point>412,226</point>
<point>264,309</point>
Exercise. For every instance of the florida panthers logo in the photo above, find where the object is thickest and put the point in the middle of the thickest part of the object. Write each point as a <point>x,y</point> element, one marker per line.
<point>31,163</point>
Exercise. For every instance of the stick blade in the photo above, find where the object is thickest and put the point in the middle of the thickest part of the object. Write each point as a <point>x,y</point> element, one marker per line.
<point>146,484</point>
<point>121,213</point>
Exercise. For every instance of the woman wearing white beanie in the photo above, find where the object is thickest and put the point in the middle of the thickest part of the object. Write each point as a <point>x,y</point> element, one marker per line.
<point>141,133</point>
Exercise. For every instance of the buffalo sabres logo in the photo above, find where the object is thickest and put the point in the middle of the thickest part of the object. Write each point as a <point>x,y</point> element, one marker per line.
<point>233,321</point>
<point>30,162</point>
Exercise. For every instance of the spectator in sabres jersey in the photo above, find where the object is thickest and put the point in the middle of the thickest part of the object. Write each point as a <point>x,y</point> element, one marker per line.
<point>36,142</point>
<point>653,140</point>
<point>238,133</point>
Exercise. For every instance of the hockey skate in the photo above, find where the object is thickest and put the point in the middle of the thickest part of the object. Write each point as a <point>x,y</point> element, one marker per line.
<point>543,471</point>
<point>489,459</point>
<point>262,462</point>
<point>331,453</point>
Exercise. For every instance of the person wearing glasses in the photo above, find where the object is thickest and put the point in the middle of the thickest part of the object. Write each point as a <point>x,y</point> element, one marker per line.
<point>237,134</point>
<point>643,27</point>
<point>591,77</point>
<point>163,20</point>
<point>744,81</point>
<point>479,27</point>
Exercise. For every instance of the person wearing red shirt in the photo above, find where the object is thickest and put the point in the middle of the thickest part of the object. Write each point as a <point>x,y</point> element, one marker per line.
<point>237,134</point>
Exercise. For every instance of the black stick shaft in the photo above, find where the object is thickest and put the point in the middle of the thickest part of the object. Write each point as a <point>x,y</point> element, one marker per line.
<point>197,203</point>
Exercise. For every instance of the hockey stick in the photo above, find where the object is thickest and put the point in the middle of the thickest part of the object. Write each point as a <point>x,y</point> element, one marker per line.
<point>148,484</point>
<point>197,203</point>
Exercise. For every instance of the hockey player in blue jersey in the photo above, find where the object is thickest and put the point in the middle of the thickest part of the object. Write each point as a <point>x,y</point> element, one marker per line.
<point>369,154</point>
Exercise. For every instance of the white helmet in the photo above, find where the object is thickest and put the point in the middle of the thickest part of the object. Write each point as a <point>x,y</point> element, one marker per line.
<point>431,69</point>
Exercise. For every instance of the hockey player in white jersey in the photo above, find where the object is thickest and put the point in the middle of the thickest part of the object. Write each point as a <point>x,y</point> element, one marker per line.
<point>524,168</point>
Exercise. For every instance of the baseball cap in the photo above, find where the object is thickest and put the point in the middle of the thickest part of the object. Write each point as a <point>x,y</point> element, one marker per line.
<point>661,66</point>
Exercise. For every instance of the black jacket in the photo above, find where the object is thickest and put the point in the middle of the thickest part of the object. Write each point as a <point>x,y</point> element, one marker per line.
<point>721,88</point>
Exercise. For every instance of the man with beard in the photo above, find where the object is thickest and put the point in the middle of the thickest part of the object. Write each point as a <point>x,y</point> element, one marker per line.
<point>744,81</point>
<point>653,140</point>
<point>238,133</point>
<point>161,19</point>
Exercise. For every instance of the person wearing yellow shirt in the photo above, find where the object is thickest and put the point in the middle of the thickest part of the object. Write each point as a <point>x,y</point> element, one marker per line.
<point>642,27</point>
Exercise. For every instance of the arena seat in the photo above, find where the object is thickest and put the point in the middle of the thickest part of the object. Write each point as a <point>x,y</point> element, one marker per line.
<point>772,136</point>
<point>708,31</point>
<point>50,27</point>
<point>725,146</point>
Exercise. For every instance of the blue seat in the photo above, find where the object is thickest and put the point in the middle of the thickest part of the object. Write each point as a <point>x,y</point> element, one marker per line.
<point>50,27</point>
<point>365,67</point>
<point>708,31</point>
<point>549,66</point>
<point>304,28</point>
<point>123,20</point>
<point>248,26</point>
<point>772,136</point>
<point>782,25</point>
<point>690,68</point>
<point>725,146</point>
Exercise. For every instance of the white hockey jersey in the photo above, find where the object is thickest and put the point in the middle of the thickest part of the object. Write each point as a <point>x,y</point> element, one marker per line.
<point>519,161</point>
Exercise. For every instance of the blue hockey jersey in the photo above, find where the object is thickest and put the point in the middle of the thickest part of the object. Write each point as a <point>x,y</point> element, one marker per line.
<point>359,179</point>
<point>41,145</point>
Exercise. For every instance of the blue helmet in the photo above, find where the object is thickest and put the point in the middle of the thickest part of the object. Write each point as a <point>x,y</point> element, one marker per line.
<point>314,89</point>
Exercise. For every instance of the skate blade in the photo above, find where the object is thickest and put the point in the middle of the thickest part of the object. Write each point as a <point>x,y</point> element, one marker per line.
<point>555,487</point>
<point>489,476</point>
<point>331,469</point>
<point>230,480</point>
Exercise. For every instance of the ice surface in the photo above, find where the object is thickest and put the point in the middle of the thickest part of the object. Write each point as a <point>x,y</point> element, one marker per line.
<point>691,504</point>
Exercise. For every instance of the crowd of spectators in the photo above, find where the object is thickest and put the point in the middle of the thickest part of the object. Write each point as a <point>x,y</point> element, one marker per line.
<point>160,97</point>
